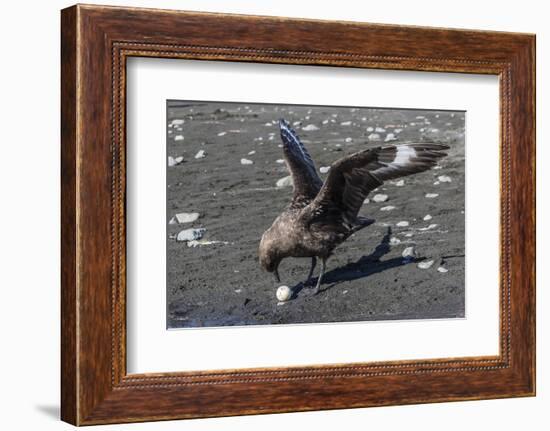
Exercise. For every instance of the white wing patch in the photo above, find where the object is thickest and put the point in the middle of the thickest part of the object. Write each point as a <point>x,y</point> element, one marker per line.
<point>404,155</point>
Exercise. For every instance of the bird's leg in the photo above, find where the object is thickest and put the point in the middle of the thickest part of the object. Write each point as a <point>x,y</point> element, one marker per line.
<point>320,279</point>
<point>276,274</point>
<point>313,264</point>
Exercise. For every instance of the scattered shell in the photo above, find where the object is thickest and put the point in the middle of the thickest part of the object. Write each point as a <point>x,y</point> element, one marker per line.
<point>178,138</point>
<point>324,169</point>
<point>400,183</point>
<point>442,269</point>
<point>177,122</point>
<point>184,218</point>
<point>325,121</point>
<point>444,179</point>
<point>283,293</point>
<point>190,234</point>
<point>246,162</point>
<point>279,161</point>
<point>373,137</point>
<point>251,152</point>
<point>348,140</point>
<point>427,217</point>
<point>222,133</point>
<point>345,123</point>
<point>432,195</point>
<point>388,208</point>
<point>201,154</point>
<point>310,128</point>
<point>370,129</point>
<point>390,137</point>
<point>395,241</point>
<point>379,130</point>
<point>402,224</point>
<point>284,182</point>
<point>380,198</point>
<point>409,253</point>
<point>425,264</point>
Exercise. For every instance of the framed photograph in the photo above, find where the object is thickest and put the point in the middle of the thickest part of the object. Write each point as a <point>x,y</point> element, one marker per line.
<point>263,214</point>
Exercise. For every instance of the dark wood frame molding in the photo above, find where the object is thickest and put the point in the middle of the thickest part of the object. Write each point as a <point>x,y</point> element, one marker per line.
<point>95,43</point>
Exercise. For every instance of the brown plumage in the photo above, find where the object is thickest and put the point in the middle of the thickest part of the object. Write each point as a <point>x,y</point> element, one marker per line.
<point>323,215</point>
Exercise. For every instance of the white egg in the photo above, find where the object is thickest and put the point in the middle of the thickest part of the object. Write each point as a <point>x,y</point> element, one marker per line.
<point>284,293</point>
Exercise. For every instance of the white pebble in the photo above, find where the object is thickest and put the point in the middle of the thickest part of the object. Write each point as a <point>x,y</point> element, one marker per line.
<point>283,293</point>
<point>400,183</point>
<point>178,138</point>
<point>246,162</point>
<point>310,128</point>
<point>390,137</point>
<point>177,122</point>
<point>173,161</point>
<point>380,198</point>
<point>190,234</point>
<point>279,161</point>
<point>370,129</point>
<point>444,179</point>
<point>325,121</point>
<point>345,123</point>
<point>402,224</point>
<point>427,217</point>
<point>184,218</point>
<point>222,133</point>
<point>409,253</point>
<point>251,152</point>
<point>379,130</point>
<point>373,137</point>
<point>366,201</point>
<point>425,264</point>
<point>201,154</point>
<point>348,140</point>
<point>394,241</point>
<point>442,269</point>
<point>388,208</point>
<point>324,169</point>
<point>432,195</point>
<point>284,182</point>
<point>432,226</point>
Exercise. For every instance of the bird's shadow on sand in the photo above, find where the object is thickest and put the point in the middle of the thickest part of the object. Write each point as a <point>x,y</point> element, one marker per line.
<point>364,267</point>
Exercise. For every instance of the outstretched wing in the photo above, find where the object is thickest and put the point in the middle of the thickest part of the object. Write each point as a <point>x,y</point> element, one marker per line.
<point>300,164</point>
<point>351,178</point>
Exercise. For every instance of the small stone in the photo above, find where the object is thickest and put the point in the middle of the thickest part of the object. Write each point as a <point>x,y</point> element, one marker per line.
<point>409,253</point>
<point>284,182</point>
<point>348,140</point>
<point>442,270</point>
<point>444,179</point>
<point>178,138</point>
<point>251,152</point>
<point>345,123</point>
<point>325,121</point>
<point>222,133</point>
<point>370,129</point>
<point>246,162</point>
<point>380,198</point>
<point>400,183</point>
<point>432,195</point>
<point>184,218</point>
<point>390,137</point>
<point>177,122</point>
<point>201,154</point>
<point>427,217</point>
<point>395,241</point>
<point>387,208</point>
<point>279,161</point>
<point>432,226</point>
<point>310,128</point>
<point>425,264</point>
<point>402,224</point>
<point>173,161</point>
<point>283,293</point>
<point>379,130</point>
<point>373,137</point>
<point>324,169</point>
<point>366,201</point>
<point>190,235</point>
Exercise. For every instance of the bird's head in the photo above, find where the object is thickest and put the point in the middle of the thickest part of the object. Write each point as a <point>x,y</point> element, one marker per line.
<point>269,254</point>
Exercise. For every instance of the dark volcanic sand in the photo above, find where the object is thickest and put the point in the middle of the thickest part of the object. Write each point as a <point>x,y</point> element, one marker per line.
<point>367,278</point>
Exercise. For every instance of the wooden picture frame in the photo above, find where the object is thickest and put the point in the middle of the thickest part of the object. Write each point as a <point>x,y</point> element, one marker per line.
<point>95,43</point>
